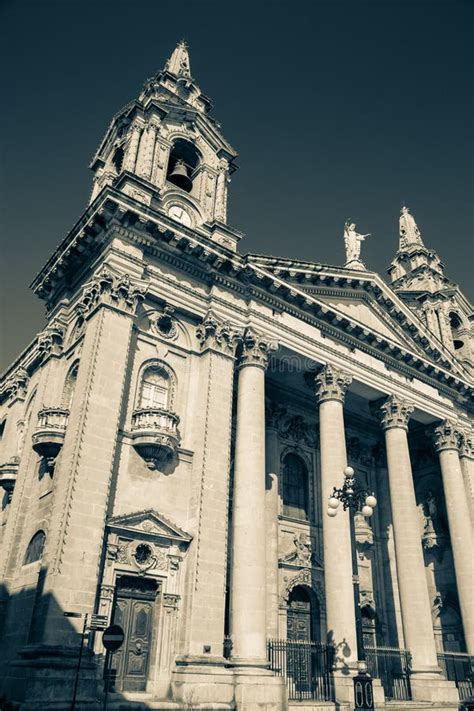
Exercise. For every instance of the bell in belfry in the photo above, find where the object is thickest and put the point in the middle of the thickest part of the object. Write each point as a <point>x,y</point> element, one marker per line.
<point>179,176</point>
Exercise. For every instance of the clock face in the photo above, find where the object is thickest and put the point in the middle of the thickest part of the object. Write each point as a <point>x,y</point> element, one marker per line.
<point>178,213</point>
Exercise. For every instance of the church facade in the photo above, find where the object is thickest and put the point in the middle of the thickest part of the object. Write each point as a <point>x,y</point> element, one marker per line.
<point>171,438</point>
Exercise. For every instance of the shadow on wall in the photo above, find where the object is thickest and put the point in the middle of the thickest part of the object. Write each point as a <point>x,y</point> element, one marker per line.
<point>38,676</point>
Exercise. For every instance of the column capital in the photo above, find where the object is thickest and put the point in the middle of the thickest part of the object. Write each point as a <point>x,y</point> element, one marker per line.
<point>114,290</point>
<point>256,349</point>
<point>395,412</point>
<point>446,436</point>
<point>466,448</point>
<point>331,384</point>
<point>217,335</point>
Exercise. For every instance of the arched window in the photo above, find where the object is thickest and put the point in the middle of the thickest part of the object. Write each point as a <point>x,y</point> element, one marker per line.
<point>70,385</point>
<point>295,487</point>
<point>155,388</point>
<point>183,162</point>
<point>35,547</point>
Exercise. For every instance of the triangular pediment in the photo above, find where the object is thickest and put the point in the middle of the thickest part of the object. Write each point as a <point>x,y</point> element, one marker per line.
<point>149,523</point>
<point>358,303</point>
<point>371,316</point>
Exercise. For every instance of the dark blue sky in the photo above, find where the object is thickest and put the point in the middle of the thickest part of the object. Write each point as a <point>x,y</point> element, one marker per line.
<point>337,109</point>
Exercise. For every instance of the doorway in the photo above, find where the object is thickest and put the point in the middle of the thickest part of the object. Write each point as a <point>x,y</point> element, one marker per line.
<point>134,611</point>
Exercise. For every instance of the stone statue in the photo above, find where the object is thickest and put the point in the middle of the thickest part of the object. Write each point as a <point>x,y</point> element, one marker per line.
<point>352,240</point>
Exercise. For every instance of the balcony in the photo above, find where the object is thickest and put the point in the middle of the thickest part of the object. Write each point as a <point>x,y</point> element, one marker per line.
<point>48,437</point>
<point>8,474</point>
<point>155,436</point>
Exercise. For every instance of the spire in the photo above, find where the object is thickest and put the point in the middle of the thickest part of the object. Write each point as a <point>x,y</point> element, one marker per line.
<point>178,63</point>
<point>409,232</point>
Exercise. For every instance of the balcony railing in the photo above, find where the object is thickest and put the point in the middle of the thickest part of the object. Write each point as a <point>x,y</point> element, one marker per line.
<point>155,435</point>
<point>8,475</point>
<point>459,668</point>
<point>306,667</point>
<point>48,437</point>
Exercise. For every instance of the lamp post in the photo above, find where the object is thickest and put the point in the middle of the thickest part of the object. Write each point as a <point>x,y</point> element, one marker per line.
<point>354,497</point>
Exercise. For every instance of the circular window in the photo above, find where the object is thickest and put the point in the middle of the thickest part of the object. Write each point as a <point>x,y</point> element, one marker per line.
<point>143,554</point>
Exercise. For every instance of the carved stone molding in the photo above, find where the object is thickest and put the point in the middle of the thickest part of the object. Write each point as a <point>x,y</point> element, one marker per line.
<point>446,436</point>
<point>108,289</point>
<point>164,323</point>
<point>303,577</point>
<point>17,384</point>
<point>274,414</point>
<point>50,341</point>
<point>171,601</point>
<point>466,447</point>
<point>256,349</point>
<point>300,431</point>
<point>217,335</point>
<point>331,384</point>
<point>395,412</point>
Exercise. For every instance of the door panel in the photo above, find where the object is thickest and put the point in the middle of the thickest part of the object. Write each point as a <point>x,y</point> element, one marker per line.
<point>129,665</point>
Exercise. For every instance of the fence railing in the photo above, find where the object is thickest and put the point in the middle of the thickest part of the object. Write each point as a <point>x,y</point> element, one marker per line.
<point>306,667</point>
<point>392,666</point>
<point>459,668</point>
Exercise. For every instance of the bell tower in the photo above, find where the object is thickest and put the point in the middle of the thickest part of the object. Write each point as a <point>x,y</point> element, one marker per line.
<point>166,151</point>
<point>417,275</point>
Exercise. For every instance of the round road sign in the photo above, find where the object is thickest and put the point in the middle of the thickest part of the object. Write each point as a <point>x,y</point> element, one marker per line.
<point>112,637</point>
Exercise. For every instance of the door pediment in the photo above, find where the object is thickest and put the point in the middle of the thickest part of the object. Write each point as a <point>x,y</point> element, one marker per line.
<point>149,524</point>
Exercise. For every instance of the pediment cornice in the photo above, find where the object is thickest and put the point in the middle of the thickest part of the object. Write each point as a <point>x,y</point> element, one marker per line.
<point>148,524</point>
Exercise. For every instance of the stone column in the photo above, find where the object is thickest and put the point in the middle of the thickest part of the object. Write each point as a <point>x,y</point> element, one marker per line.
<point>255,686</point>
<point>413,587</point>
<point>331,386</point>
<point>132,150</point>
<point>466,456</point>
<point>248,509</point>
<point>447,441</point>
<point>272,461</point>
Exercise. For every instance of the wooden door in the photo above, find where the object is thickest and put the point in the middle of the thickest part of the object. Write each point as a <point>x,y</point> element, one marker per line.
<point>134,607</point>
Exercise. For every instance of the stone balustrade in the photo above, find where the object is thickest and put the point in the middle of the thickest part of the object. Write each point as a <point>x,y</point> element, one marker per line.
<point>8,475</point>
<point>48,437</point>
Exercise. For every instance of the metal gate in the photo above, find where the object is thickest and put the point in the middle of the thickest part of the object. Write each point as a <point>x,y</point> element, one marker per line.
<point>306,667</point>
<point>392,666</point>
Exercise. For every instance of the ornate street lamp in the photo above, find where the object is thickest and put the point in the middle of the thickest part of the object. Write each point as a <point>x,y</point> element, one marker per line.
<point>358,500</point>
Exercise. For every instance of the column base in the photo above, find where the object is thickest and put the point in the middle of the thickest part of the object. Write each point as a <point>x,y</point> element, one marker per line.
<point>427,687</point>
<point>259,690</point>
<point>241,688</point>
<point>199,681</point>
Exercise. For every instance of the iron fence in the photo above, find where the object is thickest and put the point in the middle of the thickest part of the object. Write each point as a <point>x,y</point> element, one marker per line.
<point>392,666</point>
<point>459,668</point>
<point>306,667</point>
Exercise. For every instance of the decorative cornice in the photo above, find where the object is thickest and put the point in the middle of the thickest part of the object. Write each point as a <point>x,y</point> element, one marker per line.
<point>466,448</point>
<point>446,436</point>
<point>256,349</point>
<point>331,384</point>
<point>108,289</point>
<point>217,335</point>
<point>394,412</point>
